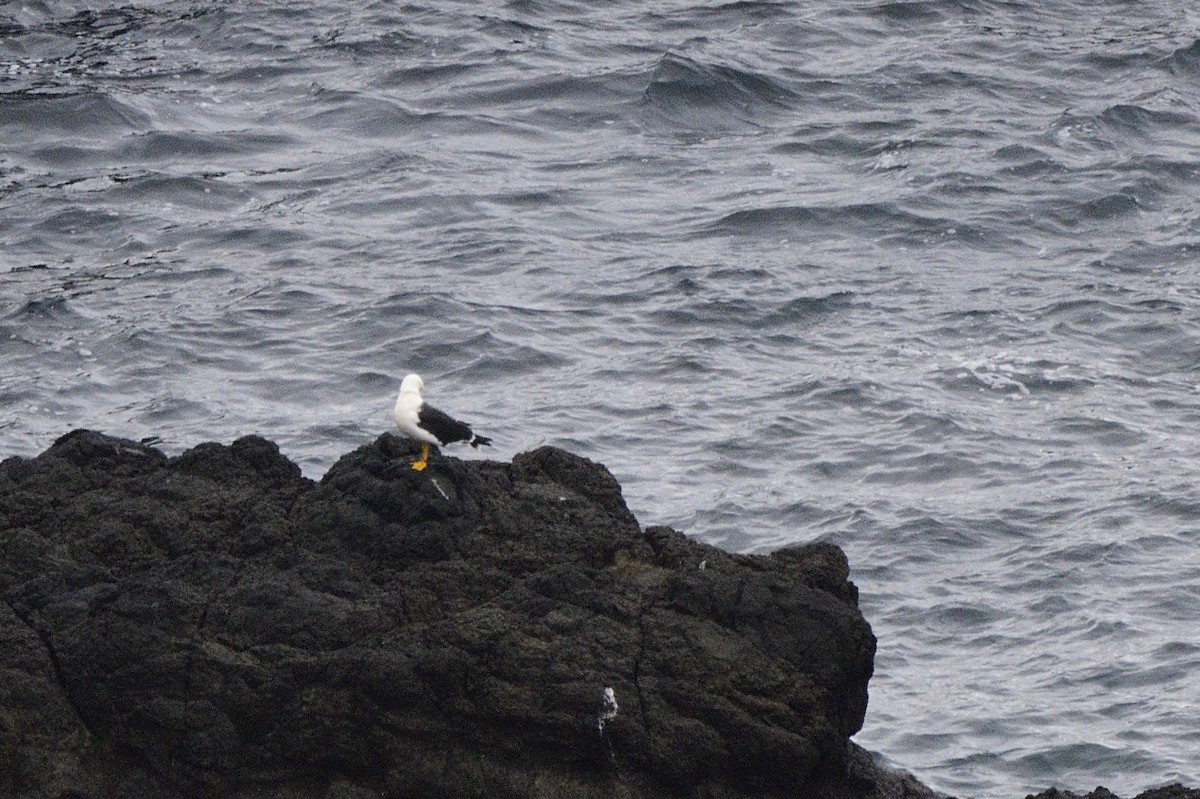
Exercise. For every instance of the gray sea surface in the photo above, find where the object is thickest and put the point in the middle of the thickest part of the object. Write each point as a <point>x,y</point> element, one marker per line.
<point>919,278</point>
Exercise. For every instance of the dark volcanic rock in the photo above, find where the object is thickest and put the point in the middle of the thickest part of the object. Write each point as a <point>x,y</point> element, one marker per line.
<point>1167,792</point>
<point>216,625</point>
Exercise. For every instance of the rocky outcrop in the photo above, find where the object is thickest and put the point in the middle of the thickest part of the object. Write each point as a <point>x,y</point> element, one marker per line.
<point>216,625</point>
<point>1167,792</point>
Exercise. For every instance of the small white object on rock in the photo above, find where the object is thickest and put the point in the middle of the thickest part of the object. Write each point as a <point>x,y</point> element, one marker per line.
<point>608,709</point>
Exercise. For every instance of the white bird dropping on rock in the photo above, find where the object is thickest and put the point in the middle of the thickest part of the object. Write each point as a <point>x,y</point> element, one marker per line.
<point>608,709</point>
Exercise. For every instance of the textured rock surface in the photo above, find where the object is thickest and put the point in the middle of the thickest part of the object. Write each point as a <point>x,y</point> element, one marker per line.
<point>217,625</point>
<point>1166,792</point>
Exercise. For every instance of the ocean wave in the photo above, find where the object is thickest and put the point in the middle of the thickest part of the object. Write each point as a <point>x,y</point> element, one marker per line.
<point>691,96</point>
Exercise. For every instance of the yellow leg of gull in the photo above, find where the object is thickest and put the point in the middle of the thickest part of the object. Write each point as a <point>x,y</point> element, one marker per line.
<point>421,464</point>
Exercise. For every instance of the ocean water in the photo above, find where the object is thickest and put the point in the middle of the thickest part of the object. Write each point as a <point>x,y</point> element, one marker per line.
<point>920,278</point>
